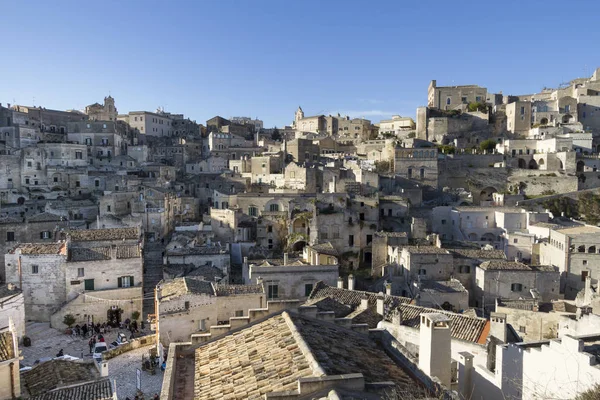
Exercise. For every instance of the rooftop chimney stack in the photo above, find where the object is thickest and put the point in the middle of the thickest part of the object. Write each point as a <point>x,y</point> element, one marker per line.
<point>380,304</point>
<point>285,258</point>
<point>364,303</point>
<point>388,288</point>
<point>435,354</point>
<point>350,282</point>
<point>340,284</point>
<point>498,326</point>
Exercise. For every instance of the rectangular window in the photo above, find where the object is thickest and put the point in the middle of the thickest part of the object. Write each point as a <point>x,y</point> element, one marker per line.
<point>253,211</point>
<point>125,281</point>
<point>10,236</point>
<point>273,291</point>
<point>515,240</point>
<point>77,184</point>
<point>350,240</point>
<point>369,239</point>
<point>522,110</point>
<point>443,222</point>
<point>362,216</point>
<point>522,329</point>
<point>270,228</point>
<point>516,287</point>
<point>108,208</point>
<point>239,313</point>
<point>34,269</point>
<point>80,272</point>
<point>422,272</point>
<point>78,155</point>
<point>584,275</point>
<point>45,235</point>
<point>308,287</point>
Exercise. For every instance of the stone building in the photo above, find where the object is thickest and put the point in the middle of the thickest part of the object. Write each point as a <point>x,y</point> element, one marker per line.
<point>513,280</point>
<point>10,378</point>
<point>452,97</point>
<point>417,165</point>
<point>149,123</point>
<point>396,126</point>
<point>188,306</point>
<point>575,252</point>
<point>102,112</point>
<point>12,309</point>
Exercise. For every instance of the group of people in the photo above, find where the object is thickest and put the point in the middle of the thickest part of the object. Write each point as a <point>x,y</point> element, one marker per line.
<point>93,340</point>
<point>92,329</point>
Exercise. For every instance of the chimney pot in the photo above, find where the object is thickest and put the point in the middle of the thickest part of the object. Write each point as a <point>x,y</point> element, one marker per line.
<point>380,304</point>
<point>364,303</point>
<point>350,282</point>
<point>340,283</point>
<point>388,288</point>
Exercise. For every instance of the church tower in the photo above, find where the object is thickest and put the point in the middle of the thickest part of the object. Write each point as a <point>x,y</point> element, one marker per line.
<point>110,111</point>
<point>299,115</point>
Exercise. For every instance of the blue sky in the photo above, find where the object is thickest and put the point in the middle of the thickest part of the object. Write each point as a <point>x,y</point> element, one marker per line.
<point>264,58</point>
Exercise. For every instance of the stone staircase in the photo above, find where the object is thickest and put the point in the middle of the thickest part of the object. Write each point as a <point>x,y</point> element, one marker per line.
<point>153,273</point>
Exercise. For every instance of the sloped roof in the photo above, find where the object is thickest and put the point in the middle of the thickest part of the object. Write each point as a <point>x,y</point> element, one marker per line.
<point>478,254</point>
<point>451,286</point>
<point>505,266</point>
<point>353,297</point>
<point>44,217</point>
<point>6,346</point>
<point>325,248</point>
<point>104,234</point>
<point>462,327</point>
<point>41,248</point>
<point>52,374</point>
<point>329,304</point>
<point>272,355</point>
<point>97,390</point>
<point>180,286</point>
<point>231,290</point>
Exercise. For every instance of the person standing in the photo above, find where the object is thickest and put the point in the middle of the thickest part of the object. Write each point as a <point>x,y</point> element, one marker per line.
<point>91,344</point>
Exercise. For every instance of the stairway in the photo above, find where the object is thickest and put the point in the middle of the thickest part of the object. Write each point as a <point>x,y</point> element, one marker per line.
<point>153,273</point>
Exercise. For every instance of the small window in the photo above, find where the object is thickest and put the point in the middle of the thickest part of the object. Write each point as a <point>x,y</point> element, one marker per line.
<point>270,228</point>
<point>34,269</point>
<point>516,287</point>
<point>253,211</point>
<point>45,235</point>
<point>369,239</point>
<point>274,207</point>
<point>422,272</point>
<point>443,222</point>
<point>239,313</point>
<point>515,240</point>
<point>522,329</point>
<point>80,272</point>
<point>10,236</point>
<point>187,305</point>
<point>308,289</point>
<point>108,208</point>
<point>273,291</point>
<point>584,262</point>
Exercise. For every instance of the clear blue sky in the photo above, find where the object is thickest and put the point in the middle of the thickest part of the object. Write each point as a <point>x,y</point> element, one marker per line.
<point>264,58</point>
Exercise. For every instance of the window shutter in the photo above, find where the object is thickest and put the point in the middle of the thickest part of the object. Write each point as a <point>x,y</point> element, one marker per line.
<point>41,235</point>
<point>120,282</point>
<point>131,281</point>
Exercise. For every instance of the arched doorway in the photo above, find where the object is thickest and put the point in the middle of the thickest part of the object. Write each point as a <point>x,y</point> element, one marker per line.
<point>544,121</point>
<point>540,162</point>
<point>473,237</point>
<point>299,246</point>
<point>566,119</point>
<point>533,164</point>
<point>580,166</point>
<point>368,257</point>
<point>560,165</point>
<point>522,163</point>
<point>487,194</point>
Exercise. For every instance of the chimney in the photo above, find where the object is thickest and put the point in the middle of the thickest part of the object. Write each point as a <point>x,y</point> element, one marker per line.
<point>259,281</point>
<point>465,374</point>
<point>498,326</point>
<point>364,303</point>
<point>350,282</point>
<point>434,347</point>
<point>380,304</point>
<point>340,283</point>
<point>388,288</point>
<point>10,286</point>
<point>588,292</point>
<point>285,258</point>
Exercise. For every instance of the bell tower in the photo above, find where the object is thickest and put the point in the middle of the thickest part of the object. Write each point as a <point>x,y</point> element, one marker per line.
<point>299,115</point>
<point>110,111</point>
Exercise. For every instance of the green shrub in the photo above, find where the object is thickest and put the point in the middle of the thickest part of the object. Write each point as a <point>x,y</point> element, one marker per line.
<point>68,320</point>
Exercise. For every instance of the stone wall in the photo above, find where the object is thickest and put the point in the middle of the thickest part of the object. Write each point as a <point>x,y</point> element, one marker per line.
<point>133,344</point>
<point>94,305</point>
<point>13,307</point>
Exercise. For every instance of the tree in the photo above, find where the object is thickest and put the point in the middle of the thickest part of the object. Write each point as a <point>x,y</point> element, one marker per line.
<point>276,135</point>
<point>382,167</point>
<point>487,145</point>
<point>589,205</point>
<point>69,320</point>
<point>135,315</point>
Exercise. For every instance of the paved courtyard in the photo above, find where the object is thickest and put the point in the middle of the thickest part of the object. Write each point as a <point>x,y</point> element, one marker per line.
<point>46,342</point>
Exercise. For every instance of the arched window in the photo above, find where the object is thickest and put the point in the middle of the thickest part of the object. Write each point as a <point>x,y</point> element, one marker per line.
<point>592,249</point>
<point>274,207</point>
<point>581,249</point>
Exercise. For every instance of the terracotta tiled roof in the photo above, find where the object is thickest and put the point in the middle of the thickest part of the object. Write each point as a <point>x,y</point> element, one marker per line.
<point>132,251</point>
<point>232,290</point>
<point>329,304</point>
<point>6,346</point>
<point>98,390</point>
<point>367,316</point>
<point>478,254</point>
<point>353,297</point>
<point>41,248</point>
<point>94,254</point>
<point>504,265</point>
<point>462,327</point>
<point>425,250</point>
<point>451,286</point>
<point>180,286</point>
<point>325,248</point>
<point>44,217</point>
<point>104,234</point>
<point>51,374</point>
<point>271,355</point>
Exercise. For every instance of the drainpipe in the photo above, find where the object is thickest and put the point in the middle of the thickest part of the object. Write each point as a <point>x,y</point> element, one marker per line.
<point>20,273</point>
<point>12,380</point>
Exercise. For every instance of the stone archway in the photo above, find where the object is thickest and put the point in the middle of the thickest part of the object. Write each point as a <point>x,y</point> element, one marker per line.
<point>533,164</point>
<point>522,163</point>
<point>566,119</point>
<point>487,193</point>
<point>544,121</point>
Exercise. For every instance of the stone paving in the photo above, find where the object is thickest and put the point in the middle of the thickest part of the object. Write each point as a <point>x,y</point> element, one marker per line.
<point>46,342</point>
